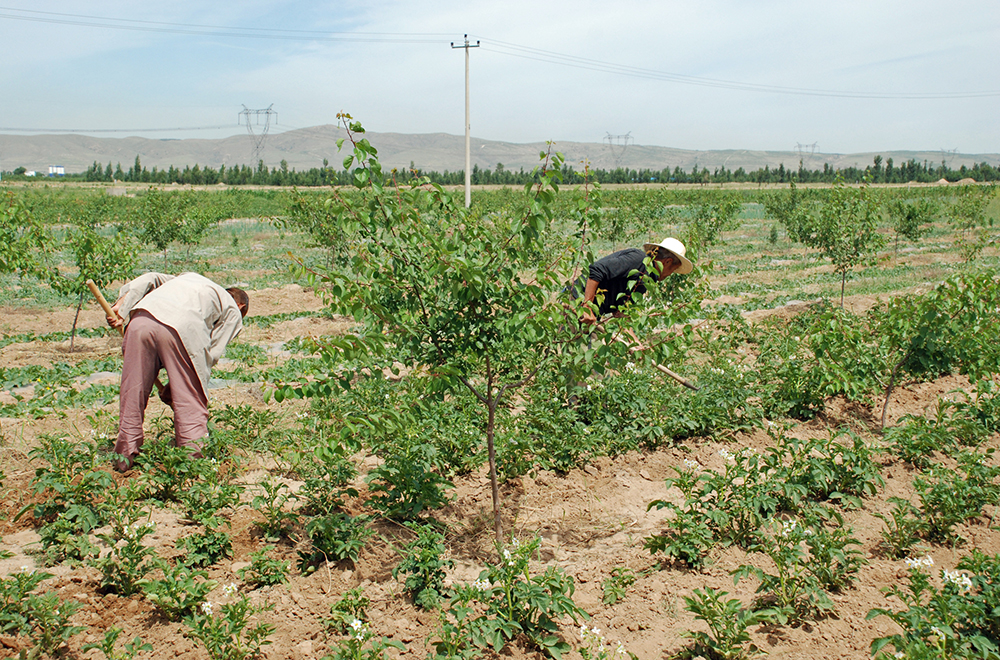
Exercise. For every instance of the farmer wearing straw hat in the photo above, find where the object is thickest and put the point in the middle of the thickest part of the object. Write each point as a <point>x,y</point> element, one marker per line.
<point>617,276</point>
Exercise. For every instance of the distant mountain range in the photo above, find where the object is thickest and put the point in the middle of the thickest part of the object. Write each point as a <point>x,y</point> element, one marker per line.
<point>306,148</point>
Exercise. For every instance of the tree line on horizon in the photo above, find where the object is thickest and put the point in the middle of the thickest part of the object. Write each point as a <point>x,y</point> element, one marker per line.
<point>880,171</point>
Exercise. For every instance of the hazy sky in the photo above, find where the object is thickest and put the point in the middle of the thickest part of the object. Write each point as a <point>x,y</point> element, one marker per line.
<point>751,74</point>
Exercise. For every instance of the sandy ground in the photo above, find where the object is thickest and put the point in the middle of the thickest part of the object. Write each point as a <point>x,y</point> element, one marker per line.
<point>590,520</point>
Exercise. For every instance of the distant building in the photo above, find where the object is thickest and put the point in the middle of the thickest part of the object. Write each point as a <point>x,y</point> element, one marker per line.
<point>31,173</point>
<point>57,170</point>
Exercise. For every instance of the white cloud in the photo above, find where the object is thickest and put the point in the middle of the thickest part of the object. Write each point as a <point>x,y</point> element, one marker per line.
<point>95,77</point>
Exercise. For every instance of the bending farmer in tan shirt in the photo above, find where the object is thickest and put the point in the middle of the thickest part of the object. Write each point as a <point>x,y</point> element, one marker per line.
<point>181,324</point>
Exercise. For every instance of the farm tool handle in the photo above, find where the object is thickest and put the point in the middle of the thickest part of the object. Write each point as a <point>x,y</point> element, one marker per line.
<point>112,314</point>
<point>676,376</point>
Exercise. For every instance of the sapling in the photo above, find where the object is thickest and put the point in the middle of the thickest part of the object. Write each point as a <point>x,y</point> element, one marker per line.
<point>909,218</point>
<point>25,244</point>
<point>103,259</point>
<point>465,297</point>
<point>968,215</point>
<point>846,229</point>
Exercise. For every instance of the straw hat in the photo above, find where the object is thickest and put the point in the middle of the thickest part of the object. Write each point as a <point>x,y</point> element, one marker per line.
<point>674,247</point>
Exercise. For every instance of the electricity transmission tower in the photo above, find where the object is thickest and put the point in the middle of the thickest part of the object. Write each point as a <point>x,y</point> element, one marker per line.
<point>949,155</point>
<point>804,149</point>
<point>617,144</point>
<point>257,138</point>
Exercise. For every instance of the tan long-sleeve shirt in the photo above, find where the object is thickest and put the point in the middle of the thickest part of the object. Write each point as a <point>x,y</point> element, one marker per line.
<point>202,313</point>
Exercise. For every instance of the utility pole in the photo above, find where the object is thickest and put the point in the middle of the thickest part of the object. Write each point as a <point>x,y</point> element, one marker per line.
<point>468,152</point>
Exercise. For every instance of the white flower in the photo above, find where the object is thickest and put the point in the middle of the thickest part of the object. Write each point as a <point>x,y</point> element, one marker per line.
<point>360,630</point>
<point>937,632</point>
<point>954,577</point>
<point>917,563</point>
<point>206,608</point>
<point>230,589</point>
<point>691,465</point>
<point>481,585</point>
<point>726,454</point>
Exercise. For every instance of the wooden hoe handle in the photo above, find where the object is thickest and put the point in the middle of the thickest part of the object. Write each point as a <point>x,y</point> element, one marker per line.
<point>104,303</point>
<point>676,376</point>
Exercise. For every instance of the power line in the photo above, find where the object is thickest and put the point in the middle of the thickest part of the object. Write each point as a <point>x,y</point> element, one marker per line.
<point>496,46</point>
<point>108,22</point>
<point>539,55</point>
<point>113,130</point>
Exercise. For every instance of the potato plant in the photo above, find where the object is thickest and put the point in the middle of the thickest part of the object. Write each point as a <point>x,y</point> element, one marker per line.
<point>404,441</point>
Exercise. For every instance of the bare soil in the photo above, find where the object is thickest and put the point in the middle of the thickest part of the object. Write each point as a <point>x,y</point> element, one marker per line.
<point>591,521</point>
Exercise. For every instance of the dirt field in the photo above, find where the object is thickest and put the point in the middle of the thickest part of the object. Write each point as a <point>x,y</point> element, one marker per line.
<point>590,520</point>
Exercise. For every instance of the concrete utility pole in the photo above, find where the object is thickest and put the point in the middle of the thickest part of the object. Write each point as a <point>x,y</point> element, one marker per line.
<point>468,153</point>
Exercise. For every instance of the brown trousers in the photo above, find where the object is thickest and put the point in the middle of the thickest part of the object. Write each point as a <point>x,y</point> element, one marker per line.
<point>149,346</point>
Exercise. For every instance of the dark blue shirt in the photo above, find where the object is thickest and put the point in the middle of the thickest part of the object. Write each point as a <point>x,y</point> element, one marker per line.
<point>612,276</point>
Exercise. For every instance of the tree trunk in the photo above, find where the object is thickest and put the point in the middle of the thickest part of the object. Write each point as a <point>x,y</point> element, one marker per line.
<point>843,283</point>
<point>888,388</point>
<point>72,334</point>
<point>491,448</point>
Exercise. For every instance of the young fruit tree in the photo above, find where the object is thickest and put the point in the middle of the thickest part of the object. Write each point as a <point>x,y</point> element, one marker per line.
<point>712,216</point>
<point>845,229</point>
<point>158,220</point>
<point>24,243</point>
<point>99,255</point>
<point>468,301</point>
<point>969,218</point>
<point>909,218</point>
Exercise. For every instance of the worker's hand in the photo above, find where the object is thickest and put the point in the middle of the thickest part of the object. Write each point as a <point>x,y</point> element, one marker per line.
<point>115,321</point>
<point>588,318</point>
<point>637,345</point>
<point>166,397</point>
